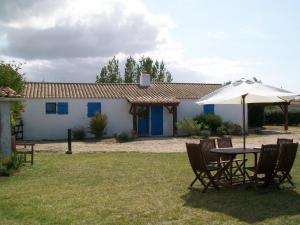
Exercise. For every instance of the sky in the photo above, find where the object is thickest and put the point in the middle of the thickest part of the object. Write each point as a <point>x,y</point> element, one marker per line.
<point>211,41</point>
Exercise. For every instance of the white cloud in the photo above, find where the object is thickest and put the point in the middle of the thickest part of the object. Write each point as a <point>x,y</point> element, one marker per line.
<point>70,40</point>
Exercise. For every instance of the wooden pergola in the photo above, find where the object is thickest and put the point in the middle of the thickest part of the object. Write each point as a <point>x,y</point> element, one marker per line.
<point>284,106</point>
<point>169,103</point>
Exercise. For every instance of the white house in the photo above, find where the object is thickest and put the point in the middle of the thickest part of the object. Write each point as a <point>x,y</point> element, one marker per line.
<point>152,109</point>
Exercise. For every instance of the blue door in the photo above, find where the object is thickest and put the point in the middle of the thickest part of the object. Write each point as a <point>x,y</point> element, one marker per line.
<point>143,121</point>
<point>157,120</point>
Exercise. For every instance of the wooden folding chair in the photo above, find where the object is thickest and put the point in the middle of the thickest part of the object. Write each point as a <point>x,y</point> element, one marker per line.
<point>206,146</point>
<point>226,142</point>
<point>24,151</point>
<point>266,165</point>
<point>286,158</point>
<point>284,141</point>
<point>202,170</point>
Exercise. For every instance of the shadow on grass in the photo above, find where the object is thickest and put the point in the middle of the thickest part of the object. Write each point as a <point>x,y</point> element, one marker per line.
<point>246,205</point>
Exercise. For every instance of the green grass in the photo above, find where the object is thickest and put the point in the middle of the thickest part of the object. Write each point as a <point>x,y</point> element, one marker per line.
<point>133,188</point>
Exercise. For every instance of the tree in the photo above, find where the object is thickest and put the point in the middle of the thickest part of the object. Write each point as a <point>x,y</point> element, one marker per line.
<point>133,70</point>
<point>10,76</point>
<point>110,73</point>
<point>102,78</point>
<point>130,74</point>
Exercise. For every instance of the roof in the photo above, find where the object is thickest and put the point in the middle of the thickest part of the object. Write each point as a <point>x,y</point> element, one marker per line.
<point>134,93</point>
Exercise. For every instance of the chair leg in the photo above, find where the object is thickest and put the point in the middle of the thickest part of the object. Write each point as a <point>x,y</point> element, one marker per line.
<point>31,158</point>
<point>193,182</point>
<point>285,176</point>
<point>198,177</point>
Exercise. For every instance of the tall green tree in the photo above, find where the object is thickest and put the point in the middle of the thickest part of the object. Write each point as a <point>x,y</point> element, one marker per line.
<point>11,76</point>
<point>130,74</point>
<point>110,73</point>
<point>133,70</point>
<point>102,77</point>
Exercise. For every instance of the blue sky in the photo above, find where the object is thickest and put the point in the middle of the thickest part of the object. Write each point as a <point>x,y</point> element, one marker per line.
<point>200,41</point>
<point>266,33</point>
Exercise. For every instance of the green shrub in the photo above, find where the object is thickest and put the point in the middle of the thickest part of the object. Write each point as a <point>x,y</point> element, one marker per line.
<point>8,166</point>
<point>232,128</point>
<point>78,133</point>
<point>189,126</point>
<point>222,130</point>
<point>98,124</point>
<point>205,133</point>
<point>210,120</point>
<point>123,137</point>
<point>277,118</point>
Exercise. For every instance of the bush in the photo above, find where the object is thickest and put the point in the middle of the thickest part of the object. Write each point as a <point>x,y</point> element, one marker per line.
<point>277,118</point>
<point>124,137</point>
<point>189,126</point>
<point>78,133</point>
<point>205,133</point>
<point>98,124</point>
<point>210,120</point>
<point>232,128</point>
<point>8,166</point>
<point>222,130</point>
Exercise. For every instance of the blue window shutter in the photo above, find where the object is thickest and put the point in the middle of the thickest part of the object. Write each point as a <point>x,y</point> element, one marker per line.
<point>210,108</point>
<point>62,108</point>
<point>50,108</point>
<point>93,107</point>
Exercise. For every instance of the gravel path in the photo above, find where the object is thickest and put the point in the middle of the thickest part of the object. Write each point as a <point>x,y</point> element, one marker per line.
<point>169,144</point>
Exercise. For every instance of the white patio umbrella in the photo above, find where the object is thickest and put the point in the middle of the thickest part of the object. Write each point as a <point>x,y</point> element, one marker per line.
<point>247,91</point>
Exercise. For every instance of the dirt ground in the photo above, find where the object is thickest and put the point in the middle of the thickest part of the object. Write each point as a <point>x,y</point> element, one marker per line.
<point>164,144</point>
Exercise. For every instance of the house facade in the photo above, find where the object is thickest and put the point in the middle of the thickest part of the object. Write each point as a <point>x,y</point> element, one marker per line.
<point>152,109</point>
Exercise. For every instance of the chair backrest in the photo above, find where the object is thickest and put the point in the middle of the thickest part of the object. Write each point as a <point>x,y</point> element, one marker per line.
<point>206,146</point>
<point>224,142</point>
<point>284,140</point>
<point>287,155</point>
<point>196,157</point>
<point>268,159</point>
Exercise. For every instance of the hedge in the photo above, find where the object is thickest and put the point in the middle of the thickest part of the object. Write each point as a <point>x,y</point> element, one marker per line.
<point>277,118</point>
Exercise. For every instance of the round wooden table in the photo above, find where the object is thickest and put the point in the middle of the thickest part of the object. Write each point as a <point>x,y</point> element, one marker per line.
<point>233,151</point>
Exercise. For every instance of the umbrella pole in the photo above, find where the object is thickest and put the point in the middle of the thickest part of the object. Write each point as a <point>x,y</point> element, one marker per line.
<point>244,138</point>
<point>244,121</point>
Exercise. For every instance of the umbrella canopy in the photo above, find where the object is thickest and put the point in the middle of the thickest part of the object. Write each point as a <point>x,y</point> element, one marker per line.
<point>256,93</point>
<point>247,91</point>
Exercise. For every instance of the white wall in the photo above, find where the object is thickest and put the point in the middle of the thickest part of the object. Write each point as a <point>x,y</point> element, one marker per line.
<point>233,113</point>
<point>38,125</point>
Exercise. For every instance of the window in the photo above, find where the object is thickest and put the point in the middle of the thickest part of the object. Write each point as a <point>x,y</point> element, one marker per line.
<point>62,108</point>
<point>93,107</point>
<point>50,108</point>
<point>210,108</point>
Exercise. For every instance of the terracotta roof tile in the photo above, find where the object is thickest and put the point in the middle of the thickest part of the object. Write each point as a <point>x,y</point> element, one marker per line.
<point>155,93</point>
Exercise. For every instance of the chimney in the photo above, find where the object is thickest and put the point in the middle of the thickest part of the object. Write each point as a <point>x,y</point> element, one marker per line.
<point>145,80</point>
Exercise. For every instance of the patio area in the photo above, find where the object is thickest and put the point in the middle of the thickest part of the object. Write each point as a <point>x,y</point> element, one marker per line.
<point>167,144</point>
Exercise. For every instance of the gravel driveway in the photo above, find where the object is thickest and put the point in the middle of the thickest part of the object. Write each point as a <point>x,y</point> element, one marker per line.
<point>165,144</point>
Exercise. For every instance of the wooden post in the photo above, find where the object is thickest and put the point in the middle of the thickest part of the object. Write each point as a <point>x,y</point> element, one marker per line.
<point>134,118</point>
<point>174,120</point>
<point>286,117</point>
<point>69,142</point>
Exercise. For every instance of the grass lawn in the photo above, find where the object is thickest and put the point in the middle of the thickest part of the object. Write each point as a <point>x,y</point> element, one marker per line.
<point>133,188</point>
